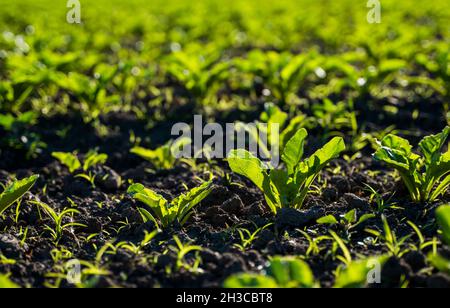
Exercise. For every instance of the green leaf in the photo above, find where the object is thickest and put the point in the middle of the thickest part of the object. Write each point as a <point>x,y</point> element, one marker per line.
<point>248,280</point>
<point>291,129</point>
<point>70,160</point>
<point>443,220</point>
<point>441,188</point>
<point>342,246</point>
<point>291,272</point>
<point>185,202</point>
<point>323,156</point>
<point>163,212</point>
<point>389,236</point>
<point>397,143</point>
<point>15,191</point>
<point>309,169</point>
<point>245,163</point>
<point>93,158</point>
<point>388,66</point>
<point>154,201</point>
<point>397,153</point>
<point>441,263</point>
<point>431,146</point>
<point>161,158</point>
<point>293,151</point>
<point>6,283</point>
<point>273,115</point>
<point>364,218</point>
<point>147,216</point>
<point>7,121</point>
<point>327,220</point>
<point>355,274</point>
<point>350,217</point>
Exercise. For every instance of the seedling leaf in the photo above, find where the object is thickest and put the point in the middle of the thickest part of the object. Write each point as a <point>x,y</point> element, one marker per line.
<point>15,191</point>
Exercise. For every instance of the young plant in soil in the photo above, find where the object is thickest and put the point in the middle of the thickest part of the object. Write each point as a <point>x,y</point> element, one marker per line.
<point>137,249</point>
<point>15,191</point>
<point>356,273</point>
<point>426,176</point>
<point>282,73</point>
<point>393,244</point>
<point>200,75</point>
<point>286,188</point>
<point>247,237</point>
<point>283,272</point>
<point>182,250</point>
<point>164,213</point>
<point>163,157</point>
<point>58,219</point>
<point>347,222</point>
<point>71,161</point>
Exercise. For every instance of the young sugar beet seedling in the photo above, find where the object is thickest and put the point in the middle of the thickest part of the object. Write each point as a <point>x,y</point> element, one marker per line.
<point>164,213</point>
<point>286,188</point>
<point>426,176</point>
<point>283,73</point>
<point>200,75</point>
<point>71,161</point>
<point>164,157</point>
<point>347,222</point>
<point>15,191</point>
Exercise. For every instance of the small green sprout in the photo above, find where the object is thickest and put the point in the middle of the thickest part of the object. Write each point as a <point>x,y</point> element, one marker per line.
<point>182,249</point>
<point>164,213</point>
<point>314,247</point>
<point>70,160</point>
<point>15,191</point>
<point>88,177</point>
<point>347,222</point>
<point>394,245</point>
<point>137,249</point>
<point>346,256</point>
<point>286,188</point>
<point>58,220</point>
<point>247,237</point>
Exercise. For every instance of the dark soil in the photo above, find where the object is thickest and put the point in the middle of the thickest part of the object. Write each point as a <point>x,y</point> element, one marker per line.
<point>213,226</point>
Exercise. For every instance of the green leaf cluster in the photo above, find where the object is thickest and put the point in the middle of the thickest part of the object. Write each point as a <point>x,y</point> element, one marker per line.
<point>286,188</point>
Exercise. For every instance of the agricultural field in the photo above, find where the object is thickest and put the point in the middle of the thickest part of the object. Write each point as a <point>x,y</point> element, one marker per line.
<point>98,118</point>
